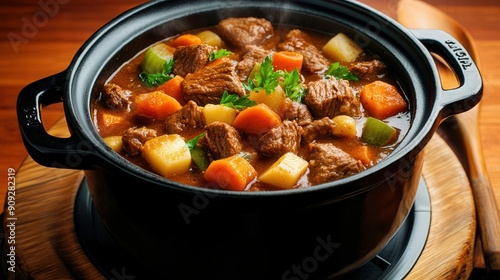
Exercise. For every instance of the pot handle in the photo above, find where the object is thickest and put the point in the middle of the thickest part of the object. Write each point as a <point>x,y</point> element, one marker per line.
<point>469,93</point>
<point>44,148</point>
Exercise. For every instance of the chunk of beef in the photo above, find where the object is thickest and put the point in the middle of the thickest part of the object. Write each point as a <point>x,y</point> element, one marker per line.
<point>253,54</point>
<point>116,97</point>
<point>207,85</point>
<point>189,59</point>
<point>223,140</point>
<point>318,129</point>
<point>242,32</point>
<point>298,112</point>
<point>296,41</point>
<point>368,70</point>
<point>187,118</point>
<point>328,163</point>
<point>281,139</point>
<point>134,138</point>
<point>331,97</point>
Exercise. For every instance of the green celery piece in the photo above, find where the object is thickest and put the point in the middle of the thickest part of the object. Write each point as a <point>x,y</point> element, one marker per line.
<point>155,58</point>
<point>377,132</point>
<point>200,158</point>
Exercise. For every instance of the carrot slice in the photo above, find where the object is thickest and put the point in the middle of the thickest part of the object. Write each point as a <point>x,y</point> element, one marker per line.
<point>173,88</point>
<point>364,154</point>
<point>156,105</point>
<point>382,100</point>
<point>287,61</point>
<point>108,120</point>
<point>186,40</point>
<point>256,119</point>
<point>231,173</point>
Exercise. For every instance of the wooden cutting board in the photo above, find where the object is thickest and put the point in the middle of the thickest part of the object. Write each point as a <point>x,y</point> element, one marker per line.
<point>47,246</point>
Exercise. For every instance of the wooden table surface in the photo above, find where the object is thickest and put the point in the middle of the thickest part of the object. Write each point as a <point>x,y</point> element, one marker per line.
<point>39,39</point>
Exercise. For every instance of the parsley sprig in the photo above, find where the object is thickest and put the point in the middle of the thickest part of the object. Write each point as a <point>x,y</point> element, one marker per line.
<point>236,102</point>
<point>340,72</point>
<point>266,78</point>
<point>219,54</point>
<point>191,143</point>
<point>156,79</point>
<point>293,86</point>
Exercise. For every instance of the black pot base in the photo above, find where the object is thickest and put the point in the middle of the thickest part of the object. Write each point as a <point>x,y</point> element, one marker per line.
<point>393,262</point>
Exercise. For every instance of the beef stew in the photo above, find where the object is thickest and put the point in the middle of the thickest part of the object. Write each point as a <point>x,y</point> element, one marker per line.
<point>300,108</point>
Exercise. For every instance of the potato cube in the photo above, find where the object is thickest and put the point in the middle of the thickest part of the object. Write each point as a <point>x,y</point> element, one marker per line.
<point>285,172</point>
<point>114,142</point>
<point>218,113</point>
<point>275,100</point>
<point>167,154</point>
<point>341,48</point>
<point>345,126</point>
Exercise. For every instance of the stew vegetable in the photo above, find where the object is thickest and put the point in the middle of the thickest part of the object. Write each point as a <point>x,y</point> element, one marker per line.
<point>248,106</point>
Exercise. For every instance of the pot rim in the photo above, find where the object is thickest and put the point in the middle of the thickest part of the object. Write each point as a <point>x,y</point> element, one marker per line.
<point>404,147</point>
<point>79,117</point>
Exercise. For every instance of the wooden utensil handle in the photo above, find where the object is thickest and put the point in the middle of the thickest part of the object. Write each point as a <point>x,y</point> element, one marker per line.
<point>487,212</point>
<point>488,217</point>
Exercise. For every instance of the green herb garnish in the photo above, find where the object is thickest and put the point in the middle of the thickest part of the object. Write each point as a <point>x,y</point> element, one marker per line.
<point>266,78</point>
<point>236,102</point>
<point>156,79</point>
<point>293,86</point>
<point>198,156</point>
<point>191,143</point>
<point>218,54</point>
<point>340,72</point>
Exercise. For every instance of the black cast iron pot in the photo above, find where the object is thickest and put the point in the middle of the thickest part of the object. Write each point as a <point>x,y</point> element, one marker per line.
<point>184,232</point>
